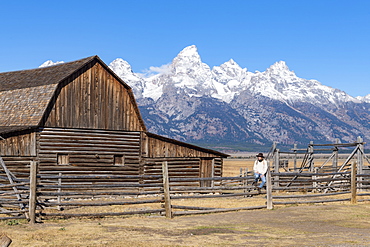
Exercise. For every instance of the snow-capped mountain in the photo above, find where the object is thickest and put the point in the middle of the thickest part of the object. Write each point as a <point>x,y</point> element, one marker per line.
<point>124,71</point>
<point>364,99</point>
<point>187,72</point>
<point>50,63</point>
<point>229,105</point>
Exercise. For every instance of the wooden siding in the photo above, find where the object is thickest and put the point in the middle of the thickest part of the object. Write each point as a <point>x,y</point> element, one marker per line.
<point>184,168</point>
<point>94,99</point>
<point>218,166</point>
<point>154,147</point>
<point>209,168</point>
<point>89,151</point>
<point>177,167</point>
<point>19,145</point>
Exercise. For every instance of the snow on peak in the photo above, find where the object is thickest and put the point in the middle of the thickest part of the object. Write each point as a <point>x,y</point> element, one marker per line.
<point>280,65</point>
<point>365,98</point>
<point>230,67</point>
<point>188,71</point>
<point>189,51</point>
<point>281,69</point>
<point>189,61</point>
<point>50,63</point>
<point>121,67</point>
<point>188,74</point>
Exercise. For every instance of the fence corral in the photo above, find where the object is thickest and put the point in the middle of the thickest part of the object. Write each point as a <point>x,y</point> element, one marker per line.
<point>320,174</point>
<point>33,195</point>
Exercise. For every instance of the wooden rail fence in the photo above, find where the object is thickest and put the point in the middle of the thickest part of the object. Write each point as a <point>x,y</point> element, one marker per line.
<point>48,195</point>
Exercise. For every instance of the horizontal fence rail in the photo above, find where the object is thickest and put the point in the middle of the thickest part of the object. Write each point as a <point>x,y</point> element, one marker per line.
<point>97,195</point>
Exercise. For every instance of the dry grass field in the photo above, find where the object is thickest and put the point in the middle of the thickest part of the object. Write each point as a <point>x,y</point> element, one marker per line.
<point>232,166</point>
<point>334,224</point>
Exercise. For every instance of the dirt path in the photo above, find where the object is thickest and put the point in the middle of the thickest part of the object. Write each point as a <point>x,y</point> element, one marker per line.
<point>312,225</point>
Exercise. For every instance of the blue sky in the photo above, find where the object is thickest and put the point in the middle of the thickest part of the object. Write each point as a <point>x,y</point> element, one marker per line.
<point>326,40</point>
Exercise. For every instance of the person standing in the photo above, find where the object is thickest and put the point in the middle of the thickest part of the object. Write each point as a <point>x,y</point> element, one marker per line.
<point>260,169</point>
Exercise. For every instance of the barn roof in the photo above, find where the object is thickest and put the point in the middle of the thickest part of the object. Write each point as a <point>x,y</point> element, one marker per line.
<point>41,76</point>
<point>25,94</point>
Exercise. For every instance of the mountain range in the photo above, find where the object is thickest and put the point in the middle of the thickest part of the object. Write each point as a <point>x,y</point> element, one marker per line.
<point>230,108</point>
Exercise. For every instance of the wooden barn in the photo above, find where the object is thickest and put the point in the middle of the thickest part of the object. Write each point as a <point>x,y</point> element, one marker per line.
<point>80,117</point>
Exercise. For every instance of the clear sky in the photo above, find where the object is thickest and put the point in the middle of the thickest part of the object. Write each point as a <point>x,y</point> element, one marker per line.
<point>326,40</point>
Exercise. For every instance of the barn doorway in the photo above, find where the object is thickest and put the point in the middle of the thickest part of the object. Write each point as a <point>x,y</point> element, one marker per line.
<point>206,171</point>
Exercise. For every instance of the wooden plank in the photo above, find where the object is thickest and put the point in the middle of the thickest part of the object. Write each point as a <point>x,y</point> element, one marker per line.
<point>99,204</point>
<point>65,215</point>
<point>269,202</point>
<point>166,189</point>
<point>5,241</point>
<point>33,195</point>
<point>219,210</point>
<point>11,181</point>
<point>354,183</point>
<point>309,202</point>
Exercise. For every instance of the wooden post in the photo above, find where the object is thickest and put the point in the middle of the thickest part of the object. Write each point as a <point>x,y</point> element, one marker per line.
<point>310,161</point>
<point>33,188</point>
<point>360,160</point>
<point>314,177</point>
<point>241,175</point>
<point>295,157</point>
<point>213,173</point>
<point>166,189</point>
<point>269,188</point>
<point>276,167</point>
<point>59,189</point>
<point>335,158</point>
<point>5,241</point>
<point>353,184</point>
<point>245,181</point>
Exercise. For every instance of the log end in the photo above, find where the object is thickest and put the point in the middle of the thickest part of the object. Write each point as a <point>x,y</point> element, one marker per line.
<point>5,241</point>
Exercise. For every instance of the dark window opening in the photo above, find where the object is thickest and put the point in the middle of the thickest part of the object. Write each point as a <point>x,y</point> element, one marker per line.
<point>119,160</point>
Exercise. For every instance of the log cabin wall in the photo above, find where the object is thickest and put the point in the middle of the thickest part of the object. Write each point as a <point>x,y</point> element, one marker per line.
<point>93,98</point>
<point>177,167</point>
<point>17,151</point>
<point>218,167</point>
<point>89,151</point>
<point>19,145</point>
<point>155,147</point>
<point>185,168</point>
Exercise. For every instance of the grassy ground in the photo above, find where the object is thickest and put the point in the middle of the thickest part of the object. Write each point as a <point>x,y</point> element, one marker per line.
<point>334,224</point>
<point>310,225</point>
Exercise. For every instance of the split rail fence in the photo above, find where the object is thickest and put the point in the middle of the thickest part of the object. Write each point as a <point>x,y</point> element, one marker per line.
<point>43,196</point>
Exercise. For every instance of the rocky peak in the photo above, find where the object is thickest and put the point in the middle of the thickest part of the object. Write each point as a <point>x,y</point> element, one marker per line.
<point>188,61</point>
<point>121,67</point>
<point>280,69</point>
<point>229,69</point>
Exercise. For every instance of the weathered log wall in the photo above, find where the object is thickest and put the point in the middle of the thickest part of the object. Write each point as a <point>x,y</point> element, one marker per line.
<point>158,146</point>
<point>89,151</point>
<point>19,145</point>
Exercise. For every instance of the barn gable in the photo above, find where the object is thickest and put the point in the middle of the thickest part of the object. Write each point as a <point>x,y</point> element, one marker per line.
<point>80,94</point>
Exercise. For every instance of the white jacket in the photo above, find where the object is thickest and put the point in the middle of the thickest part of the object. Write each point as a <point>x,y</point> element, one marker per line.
<point>260,167</point>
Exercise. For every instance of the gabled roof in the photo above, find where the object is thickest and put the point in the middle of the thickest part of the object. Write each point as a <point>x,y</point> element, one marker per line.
<point>26,94</point>
<point>41,76</point>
